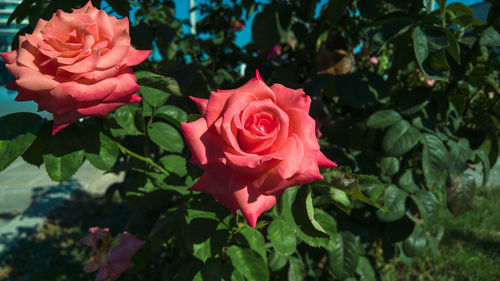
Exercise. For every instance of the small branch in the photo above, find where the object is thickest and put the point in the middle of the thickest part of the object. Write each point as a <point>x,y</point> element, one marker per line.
<point>142,158</point>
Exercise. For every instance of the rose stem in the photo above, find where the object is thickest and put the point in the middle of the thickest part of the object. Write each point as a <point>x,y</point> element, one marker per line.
<point>142,158</point>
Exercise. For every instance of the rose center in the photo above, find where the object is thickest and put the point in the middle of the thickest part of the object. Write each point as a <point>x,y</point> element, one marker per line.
<point>261,124</point>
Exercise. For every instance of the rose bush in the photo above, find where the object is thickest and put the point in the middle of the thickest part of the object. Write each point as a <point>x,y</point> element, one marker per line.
<point>254,142</point>
<point>76,64</point>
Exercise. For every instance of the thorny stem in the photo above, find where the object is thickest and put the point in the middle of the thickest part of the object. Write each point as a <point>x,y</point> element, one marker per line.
<point>231,237</point>
<point>142,158</point>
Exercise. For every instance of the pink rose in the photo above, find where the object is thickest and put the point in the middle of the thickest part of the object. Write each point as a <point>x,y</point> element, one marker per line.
<point>76,64</point>
<point>254,142</point>
<point>111,260</point>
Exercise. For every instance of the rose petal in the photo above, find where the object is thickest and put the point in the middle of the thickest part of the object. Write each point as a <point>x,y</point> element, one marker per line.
<point>127,246</point>
<point>211,184</point>
<point>121,43</point>
<point>91,267</point>
<point>32,80</point>
<point>88,64</point>
<point>135,57</point>
<point>216,103</point>
<point>324,162</point>
<point>85,9</point>
<point>39,26</point>
<point>117,268</point>
<point>193,132</point>
<point>26,55</point>
<point>202,105</point>
<point>126,86</point>
<point>254,163</point>
<point>307,172</point>
<point>250,201</point>
<point>98,75</point>
<point>9,57</point>
<point>304,126</point>
<point>289,98</point>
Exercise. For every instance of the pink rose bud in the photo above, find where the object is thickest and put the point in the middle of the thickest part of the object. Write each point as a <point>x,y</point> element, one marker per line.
<point>76,64</point>
<point>429,82</point>
<point>274,53</point>
<point>373,60</point>
<point>111,261</point>
<point>254,142</point>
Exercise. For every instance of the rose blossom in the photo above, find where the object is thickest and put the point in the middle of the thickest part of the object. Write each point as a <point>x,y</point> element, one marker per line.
<point>111,261</point>
<point>254,142</point>
<point>76,64</point>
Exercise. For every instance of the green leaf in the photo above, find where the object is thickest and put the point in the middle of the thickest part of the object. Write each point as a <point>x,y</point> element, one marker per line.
<point>18,131</point>
<point>303,212</point>
<point>60,168</point>
<point>400,138</point>
<point>434,159</point>
<point>22,11</point>
<point>173,114</point>
<point>249,263</point>
<point>296,269</point>
<point>202,228</point>
<point>490,37</point>
<point>344,258</point>
<point>406,181</point>
<point>107,155</point>
<point>415,244</point>
<point>460,194</point>
<point>460,154</point>
<point>124,116</point>
<point>453,48</point>
<point>427,204</point>
<point>211,270</point>
<point>282,237</point>
<point>464,20</point>
<point>437,38</point>
<point>167,84</point>
<point>265,30</point>
<point>337,197</point>
<point>365,270</point>
<point>382,119</point>
<point>389,166</point>
<point>288,204</point>
<point>255,240</point>
<point>277,261</point>
<point>436,67</point>
<point>395,202</point>
<point>420,47</point>
<point>175,164</point>
<point>327,222</point>
<point>63,152</point>
<point>33,155</point>
<point>343,179</point>
<point>486,164</point>
<point>166,136</point>
<point>459,8</point>
<point>155,97</point>
<point>120,7</point>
